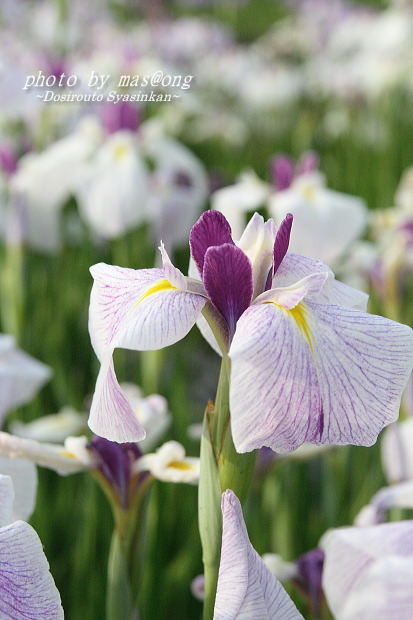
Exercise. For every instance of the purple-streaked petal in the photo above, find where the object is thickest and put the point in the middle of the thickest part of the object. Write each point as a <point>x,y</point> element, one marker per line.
<point>27,589</point>
<point>6,500</point>
<point>24,477</point>
<point>282,240</point>
<point>246,587</point>
<point>139,310</point>
<point>351,554</point>
<point>211,229</point>
<point>228,281</point>
<point>320,373</point>
<point>111,413</point>
<point>385,592</point>
<point>282,172</point>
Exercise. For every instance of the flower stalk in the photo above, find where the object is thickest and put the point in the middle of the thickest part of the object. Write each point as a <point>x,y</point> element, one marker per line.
<point>222,468</point>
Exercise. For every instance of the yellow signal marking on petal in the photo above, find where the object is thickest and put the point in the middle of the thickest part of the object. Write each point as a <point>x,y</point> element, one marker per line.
<point>158,287</point>
<point>299,314</point>
<point>180,465</point>
<point>120,151</point>
<point>308,192</point>
<point>68,455</point>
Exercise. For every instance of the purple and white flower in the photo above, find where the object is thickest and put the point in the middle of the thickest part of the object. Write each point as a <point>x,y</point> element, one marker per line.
<point>307,363</point>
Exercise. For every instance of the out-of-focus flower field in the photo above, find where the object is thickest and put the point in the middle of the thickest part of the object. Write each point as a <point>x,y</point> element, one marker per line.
<point>120,124</point>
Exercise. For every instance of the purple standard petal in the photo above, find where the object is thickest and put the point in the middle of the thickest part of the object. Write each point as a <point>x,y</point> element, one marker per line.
<point>310,572</point>
<point>317,372</point>
<point>282,240</point>
<point>120,116</point>
<point>27,589</point>
<point>115,463</point>
<point>246,587</point>
<point>211,229</point>
<point>282,172</point>
<point>228,281</point>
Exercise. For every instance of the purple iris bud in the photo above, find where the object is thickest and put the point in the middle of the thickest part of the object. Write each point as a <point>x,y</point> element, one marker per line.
<point>282,172</point>
<point>115,463</point>
<point>310,570</point>
<point>120,116</point>
<point>8,158</point>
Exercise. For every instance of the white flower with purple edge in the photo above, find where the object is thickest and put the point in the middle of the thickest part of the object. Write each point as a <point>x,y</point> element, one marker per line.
<point>307,363</point>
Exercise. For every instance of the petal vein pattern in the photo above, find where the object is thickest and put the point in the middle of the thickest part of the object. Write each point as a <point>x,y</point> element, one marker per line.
<point>320,373</point>
<point>132,309</point>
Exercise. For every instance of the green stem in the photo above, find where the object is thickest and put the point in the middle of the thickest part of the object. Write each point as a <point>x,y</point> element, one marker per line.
<point>222,468</point>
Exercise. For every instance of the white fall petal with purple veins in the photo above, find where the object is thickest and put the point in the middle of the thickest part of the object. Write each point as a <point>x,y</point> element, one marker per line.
<point>246,587</point>
<point>27,589</point>
<point>21,376</point>
<point>307,363</point>
<point>368,571</point>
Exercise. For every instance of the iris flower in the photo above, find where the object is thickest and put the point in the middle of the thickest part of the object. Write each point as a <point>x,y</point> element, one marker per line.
<point>307,363</point>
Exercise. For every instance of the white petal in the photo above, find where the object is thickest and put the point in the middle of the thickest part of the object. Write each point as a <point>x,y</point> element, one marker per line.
<point>111,413</point>
<point>234,201</point>
<point>52,456</point>
<point>396,451</point>
<point>21,376</point>
<point>112,189</point>
<point>319,373</point>
<point>138,310</point>
<point>325,221</point>
<point>351,552</point>
<point>27,589</point>
<point>24,476</point>
<point>394,496</point>
<point>6,500</point>
<point>385,592</point>
<point>246,587</point>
